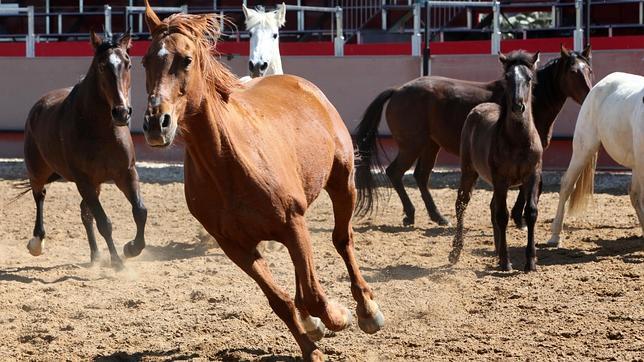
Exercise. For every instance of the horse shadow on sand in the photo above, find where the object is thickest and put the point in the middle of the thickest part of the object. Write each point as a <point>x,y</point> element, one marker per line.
<point>13,274</point>
<point>177,251</point>
<point>227,355</point>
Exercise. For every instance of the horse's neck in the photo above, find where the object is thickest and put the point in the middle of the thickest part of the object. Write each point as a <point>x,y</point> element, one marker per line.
<point>275,66</point>
<point>90,104</point>
<point>517,128</point>
<point>548,101</point>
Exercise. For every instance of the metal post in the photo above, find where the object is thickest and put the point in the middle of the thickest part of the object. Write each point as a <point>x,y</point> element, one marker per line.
<point>140,22</point>
<point>588,22</point>
<point>80,6</point>
<point>300,17</point>
<point>469,18</point>
<point>553,13</point>
<point>427,61</point>
<point>60,23</point>
<point>496,31</point>
<point>47,21</point>
<point>579,32</point>
<point>383,14</point>
<point>107,10</point>
<point>184,9</point>
<point>416,37</point>
<point>31,36</point>
<point>641,12</point>
<point>338,42</point>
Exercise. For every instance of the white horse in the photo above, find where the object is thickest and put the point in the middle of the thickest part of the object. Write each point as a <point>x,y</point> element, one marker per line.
<point>264,40</point>
<point>612,115</point>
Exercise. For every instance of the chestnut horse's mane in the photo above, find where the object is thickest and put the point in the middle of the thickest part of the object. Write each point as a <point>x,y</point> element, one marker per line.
<point>204,30</point>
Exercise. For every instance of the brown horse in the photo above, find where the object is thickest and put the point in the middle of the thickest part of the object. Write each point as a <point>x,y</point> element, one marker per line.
<point>500,143</point>
<point>428,113</point>
<point>256,158</point>
<point>81,134</point>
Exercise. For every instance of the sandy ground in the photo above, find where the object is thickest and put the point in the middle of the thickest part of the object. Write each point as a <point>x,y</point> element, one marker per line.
<point>183,299</point>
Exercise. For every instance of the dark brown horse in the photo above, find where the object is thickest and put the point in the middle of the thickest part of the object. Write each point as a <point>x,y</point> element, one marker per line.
<point>256,158</point>
<point>428,113</point>
<point>81,134</point>
<point>500,143</point>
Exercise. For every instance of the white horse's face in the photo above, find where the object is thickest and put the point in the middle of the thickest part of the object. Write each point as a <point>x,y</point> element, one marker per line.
<point>264,37</point>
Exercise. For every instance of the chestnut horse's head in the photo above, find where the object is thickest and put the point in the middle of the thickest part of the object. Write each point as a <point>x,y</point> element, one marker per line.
<point>112,66</point>
<point>519,71</point>
<point>181,72</point>
<point>575,73</point>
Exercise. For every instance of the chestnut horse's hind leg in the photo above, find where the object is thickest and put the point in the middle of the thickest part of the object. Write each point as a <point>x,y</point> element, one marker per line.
<point>395,171</point>
<point>255,266</point>
<point>129,185</point>
<point>88,223</point>
<point>298,242</point>
<point>103,223</point>
<point>343,195</point>
<point>532,189</point>
<point>422,172</point>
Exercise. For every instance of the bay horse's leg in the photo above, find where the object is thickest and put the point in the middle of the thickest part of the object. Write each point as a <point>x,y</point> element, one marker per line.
<point>88,223</point>
<point>423,170</point>
<point>468,179</point>
<point>343,195</point>
<point>129,185</point>
<point>532,189</point>
<point>298,242</point>
<point>103,223</point>
<point>395,171</point>
<point>494,226</point>
<point>517,210</point>
<point>501,216</point>
<point>251,262</point>
<point>35,245</point>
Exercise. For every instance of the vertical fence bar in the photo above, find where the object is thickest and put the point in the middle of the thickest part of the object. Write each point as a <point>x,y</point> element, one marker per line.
<point>140,16</point>
<point>553,14</point>
<point>578,37</point>
<point>107,10</point>
<point>383,14</point>
<point>81,6</point>
<point>416,37</point>
<point>469,18</point>
<point>338,42</point>
<point>300,17</point>
<point>641,12</point>
<point>47,20</point>
<point>496,31</point>
<point>31,36</point>
<point>60,23</point>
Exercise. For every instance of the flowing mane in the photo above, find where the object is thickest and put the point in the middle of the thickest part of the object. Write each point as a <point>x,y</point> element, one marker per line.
<point>204,30</point>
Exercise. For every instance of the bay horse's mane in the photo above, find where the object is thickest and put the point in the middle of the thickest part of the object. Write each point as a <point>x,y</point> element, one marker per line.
<point>204,30</point>
<point>110,41</point>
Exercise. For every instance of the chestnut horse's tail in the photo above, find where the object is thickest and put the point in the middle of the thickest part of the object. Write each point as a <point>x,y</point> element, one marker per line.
<point>583,189</point>
<point>366,135</point>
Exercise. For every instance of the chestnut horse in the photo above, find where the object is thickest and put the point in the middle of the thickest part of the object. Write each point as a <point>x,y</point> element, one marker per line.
<point>81,134</point>
<point>256,158</point>
<point>500,143</point>
<point>428,113</point>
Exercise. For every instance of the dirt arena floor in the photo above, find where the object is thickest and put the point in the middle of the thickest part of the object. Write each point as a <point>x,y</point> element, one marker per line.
<point>182,299</point>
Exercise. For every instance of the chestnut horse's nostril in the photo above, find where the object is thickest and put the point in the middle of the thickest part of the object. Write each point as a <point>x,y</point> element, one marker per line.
<point>166,121</point>
<point>264,66</point>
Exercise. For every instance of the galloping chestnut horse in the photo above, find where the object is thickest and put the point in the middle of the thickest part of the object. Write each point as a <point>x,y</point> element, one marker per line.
<point>428,113</point>
<point>500,143</point>
<point>256,158</point>
<point>81,134</point>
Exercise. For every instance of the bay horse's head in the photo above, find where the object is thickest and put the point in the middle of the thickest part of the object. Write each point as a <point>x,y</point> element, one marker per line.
<point>181,72</point>
<point>575,73</point>
<point>112,66</point>
<point>264,36</point>
<point>519,68</point>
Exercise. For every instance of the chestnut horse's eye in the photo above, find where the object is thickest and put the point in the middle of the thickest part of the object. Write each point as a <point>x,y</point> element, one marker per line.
<point>187,61</point>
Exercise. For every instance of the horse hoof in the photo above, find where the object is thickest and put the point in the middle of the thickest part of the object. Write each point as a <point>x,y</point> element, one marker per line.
<point>117,265</point>
<point>454,255</point>
<point>408,221</point>
<point>314,328</point>
<point>374,322</point>
<point>35,246</point>
<point>506,267</point>
<point>554,241</point>
<point>530,267</point>
<point>130,250</point>
<point>441,221</point>
<point>315,356</point>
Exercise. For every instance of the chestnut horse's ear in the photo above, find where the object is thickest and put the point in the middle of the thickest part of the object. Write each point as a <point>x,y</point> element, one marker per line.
<point>564,51</point>
<point>502,58</point>
<point>151,18</point>
<point>125,41</point>
<point>95,39</point>
<point>535,60</point>
<point>280,14</point>
<point>586,52</point>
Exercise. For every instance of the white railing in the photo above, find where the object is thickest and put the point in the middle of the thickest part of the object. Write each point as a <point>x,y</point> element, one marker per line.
<point>30,38</point>
<point>130,11</point>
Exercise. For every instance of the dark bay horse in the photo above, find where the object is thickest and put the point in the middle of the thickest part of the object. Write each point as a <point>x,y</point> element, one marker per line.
<point>81,134</point>
<point>428,113</point>
<point>500,144</point>
<point>256,158</point>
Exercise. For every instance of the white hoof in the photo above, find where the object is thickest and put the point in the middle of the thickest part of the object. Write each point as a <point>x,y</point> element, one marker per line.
<point>35,246</point>
<point>347,318</point>
<point>554,241</point>
<point>314,328</point>
<point>375,320</point>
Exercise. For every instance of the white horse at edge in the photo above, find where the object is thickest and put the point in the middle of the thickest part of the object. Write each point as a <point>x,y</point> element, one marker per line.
<point>612,115</point>
<point>263,27</point>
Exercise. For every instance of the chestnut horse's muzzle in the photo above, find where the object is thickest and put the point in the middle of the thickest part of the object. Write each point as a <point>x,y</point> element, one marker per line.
<point>121,115</point>
<point>157,129</point>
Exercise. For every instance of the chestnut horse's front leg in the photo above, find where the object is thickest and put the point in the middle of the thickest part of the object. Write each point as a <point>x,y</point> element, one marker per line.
<point>252,262</point>
<point>129,185</point>
<point>532,188</point>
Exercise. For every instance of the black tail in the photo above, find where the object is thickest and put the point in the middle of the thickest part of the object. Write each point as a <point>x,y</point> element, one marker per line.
<point>366,135</point>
